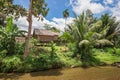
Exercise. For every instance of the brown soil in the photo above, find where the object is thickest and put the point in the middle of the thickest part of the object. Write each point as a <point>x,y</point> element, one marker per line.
<point>94,73</point>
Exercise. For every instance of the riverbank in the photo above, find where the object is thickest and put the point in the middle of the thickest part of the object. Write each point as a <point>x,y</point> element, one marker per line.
<point>45,60</point>
<point>93,73</point>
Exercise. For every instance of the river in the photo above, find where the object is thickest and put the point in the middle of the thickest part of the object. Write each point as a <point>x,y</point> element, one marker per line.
<point>93,73</point>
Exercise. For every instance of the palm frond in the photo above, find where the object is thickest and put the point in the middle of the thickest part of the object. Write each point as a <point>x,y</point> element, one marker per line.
<point>103,42</point>
<point>84,43</point>
<point>96,26</point>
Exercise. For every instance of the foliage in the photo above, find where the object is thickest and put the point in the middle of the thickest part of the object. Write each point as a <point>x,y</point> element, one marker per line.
<point>2,56</point>
<point>8,8</point>
<point>107,55</point>
<point>72,46</point>
<point>67,59</point>
<point>116,51</point>
<point>66,37</point>
<point>8,34</point>
<point>53,52</point>
<point>90,33</point>
<point>42,61</point>
<point>80,31</point>
<point>10,63</point>
<point>65,13</point>
<point>19,48</point>
<point>55,61</point>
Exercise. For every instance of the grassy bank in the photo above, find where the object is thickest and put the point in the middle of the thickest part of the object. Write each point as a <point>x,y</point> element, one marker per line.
<point>43,58</point>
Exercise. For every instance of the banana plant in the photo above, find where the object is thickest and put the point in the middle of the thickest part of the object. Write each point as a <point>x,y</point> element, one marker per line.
<point>8,34</point>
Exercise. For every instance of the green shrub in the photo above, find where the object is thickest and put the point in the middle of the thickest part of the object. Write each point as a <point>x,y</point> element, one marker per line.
<point>19,48</point>
<point>91,61</point>
<point>55,61</point>
<point>72,47</point>
<point>116,51</point>
<point>3,54</point>
<point>53,51</point>
<point>11,63</point>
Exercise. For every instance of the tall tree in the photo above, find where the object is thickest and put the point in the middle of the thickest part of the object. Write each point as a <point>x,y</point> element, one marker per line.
<point>8,8</point>
<point>65,15</point>
<point>38,9</point>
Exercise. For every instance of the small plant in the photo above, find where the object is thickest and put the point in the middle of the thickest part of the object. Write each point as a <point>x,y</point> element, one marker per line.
<point>53,50</point>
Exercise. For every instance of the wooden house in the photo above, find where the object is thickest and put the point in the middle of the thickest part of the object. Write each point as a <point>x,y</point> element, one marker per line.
<point>45,36</point>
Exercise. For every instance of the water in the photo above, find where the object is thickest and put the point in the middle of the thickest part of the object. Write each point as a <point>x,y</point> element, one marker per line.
<point>94,73</point>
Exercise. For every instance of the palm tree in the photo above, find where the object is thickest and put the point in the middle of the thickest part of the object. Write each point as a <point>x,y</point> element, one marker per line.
<point>8,34</point>
<point>65,15</point>
<point>88,35</point>
<point>37,7</point>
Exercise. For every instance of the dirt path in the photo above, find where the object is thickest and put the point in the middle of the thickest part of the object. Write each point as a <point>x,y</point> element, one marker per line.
<point>94,73</point>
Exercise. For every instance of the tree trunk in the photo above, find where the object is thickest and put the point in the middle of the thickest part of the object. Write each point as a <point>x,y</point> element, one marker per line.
<point>65,25</point>
<point>29,19</point>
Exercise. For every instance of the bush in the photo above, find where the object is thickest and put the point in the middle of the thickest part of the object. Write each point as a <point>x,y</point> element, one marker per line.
<point>19,48</point>
<point>91,61</point>
<point>3,54</point>
<point>72,47</point>
<point>11,63</point>
<point>116,51</point>
<point>54,59</point>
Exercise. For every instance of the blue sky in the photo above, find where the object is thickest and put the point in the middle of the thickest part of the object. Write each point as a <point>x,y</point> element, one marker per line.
<point>55,17</point>
<point>56,7</point>
<point>98,7</point>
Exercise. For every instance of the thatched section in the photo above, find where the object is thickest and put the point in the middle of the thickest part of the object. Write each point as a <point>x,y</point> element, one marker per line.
<point>45,36</point>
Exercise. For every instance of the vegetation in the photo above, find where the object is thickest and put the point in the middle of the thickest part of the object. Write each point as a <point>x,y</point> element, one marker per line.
<point>8,8</point>
<point>90,33</point>
<point>87,42</point>
<point>8,33</point>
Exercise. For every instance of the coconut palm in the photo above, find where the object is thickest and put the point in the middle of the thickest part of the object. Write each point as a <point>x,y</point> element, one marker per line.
<point>88,35</point>
<point>65,15</point>
<point>79,30</point>
<point>107,28</point>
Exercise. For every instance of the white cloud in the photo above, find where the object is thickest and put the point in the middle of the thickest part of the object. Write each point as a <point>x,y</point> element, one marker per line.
<point>82,5</point>
<point>116,11</point>
<point>97,6</point>
<point>22,23</point>
<point>59,23</point>
<point>108,1</point>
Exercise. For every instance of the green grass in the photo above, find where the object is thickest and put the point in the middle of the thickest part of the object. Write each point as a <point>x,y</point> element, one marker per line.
<point>67,60</point>
<point>108,56</point>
